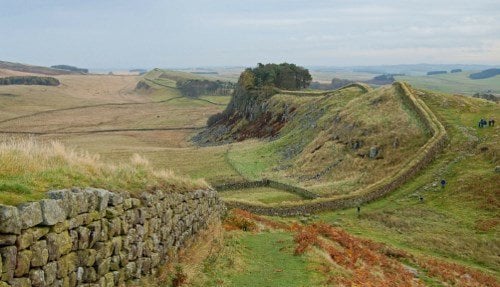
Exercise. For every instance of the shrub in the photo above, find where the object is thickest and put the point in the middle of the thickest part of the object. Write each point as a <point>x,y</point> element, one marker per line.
<point>29,80</point>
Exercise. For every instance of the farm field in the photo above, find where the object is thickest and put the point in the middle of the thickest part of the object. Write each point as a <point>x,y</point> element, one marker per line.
<point>454,83</point>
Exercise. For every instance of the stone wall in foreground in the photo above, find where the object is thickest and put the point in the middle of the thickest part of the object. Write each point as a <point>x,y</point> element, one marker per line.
<point>93,237</point>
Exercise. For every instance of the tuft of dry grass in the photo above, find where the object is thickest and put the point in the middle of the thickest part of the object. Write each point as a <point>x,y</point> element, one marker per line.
<point>30,168</point>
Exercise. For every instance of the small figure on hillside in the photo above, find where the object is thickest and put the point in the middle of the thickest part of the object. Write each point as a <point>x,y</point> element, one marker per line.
<point>482,123</point>
<point>491,122</point>
<point>443,183</point>
<point>358,209</point>
<point>421,198</point>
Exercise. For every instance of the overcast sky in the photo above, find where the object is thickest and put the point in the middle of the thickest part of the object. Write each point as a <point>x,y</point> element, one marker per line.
<point>187,33</point>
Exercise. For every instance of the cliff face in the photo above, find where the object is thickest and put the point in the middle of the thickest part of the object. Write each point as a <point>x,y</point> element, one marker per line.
<point>247,115</point>
<point>94,236</point>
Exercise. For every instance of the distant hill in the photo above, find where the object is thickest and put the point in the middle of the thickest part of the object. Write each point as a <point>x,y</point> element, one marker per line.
<point>71,69</point>
<point>430,73</point>
<point>489,73</point>
<point>32,69</point>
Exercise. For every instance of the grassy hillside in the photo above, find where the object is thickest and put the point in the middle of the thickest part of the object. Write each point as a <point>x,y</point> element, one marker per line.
<point>29,169</point>
<point>458,83</point>
<point>325,143</point>
<point>32,69</point>
<point>460,222</point>
<point>104,115</point>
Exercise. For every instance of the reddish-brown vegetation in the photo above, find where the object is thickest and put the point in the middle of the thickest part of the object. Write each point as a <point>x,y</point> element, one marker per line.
<point>368,263</point>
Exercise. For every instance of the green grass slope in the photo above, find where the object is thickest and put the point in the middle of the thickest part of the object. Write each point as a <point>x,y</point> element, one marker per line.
<point>325,143</point>
<point>459,223</point>
<point>29,169</point>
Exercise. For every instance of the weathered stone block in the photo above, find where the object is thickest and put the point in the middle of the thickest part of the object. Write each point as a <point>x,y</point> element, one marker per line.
<point>76,221</point>
<point>135,202</point>
<point>117,245</point>
<point>40,253</point>
<point>86,257</point>
<point>89,275</point>
<point>67,264</point>
<point>155,259</point>
<point>58,244</point>
<point>104,250</point>
<point>30,214</point>
<point>102,199</point>
<point>73,234</point>
<point>123,259</point>
<point>7,239</point>
<point>91,198</point>
<point>39,232</point>
<point>119,277</point>
<point>83,237</point>
<point>114,263</point>
<point>52,211</point>
<point>115,199</point>
<point>23,263</point>
<point>110,279</point>
<point>60,227</point>
<point>50,271</point>
<point>127,204</point>
<point>37,277</point>
<point>103,267</point>
<point>9,220</point>
<point>95,233</point>
<point>72,279</point>
<point>79,274</point>
<point>130,270</point>
<point>19,282</point>
<point>9,259</point>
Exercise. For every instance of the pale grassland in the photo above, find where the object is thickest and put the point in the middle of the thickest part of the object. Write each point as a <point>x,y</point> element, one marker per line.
<point>459,83</point>
<point>115,105</point>
<point>30,168</point>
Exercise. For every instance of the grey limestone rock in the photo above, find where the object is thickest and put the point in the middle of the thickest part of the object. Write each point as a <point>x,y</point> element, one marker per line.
<point>9,220</point>
<point>52,211</point>
<point>30,214</point>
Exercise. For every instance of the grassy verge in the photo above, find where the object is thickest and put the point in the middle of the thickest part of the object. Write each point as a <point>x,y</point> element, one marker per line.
<point>29,169</point>
<point>261,194</point>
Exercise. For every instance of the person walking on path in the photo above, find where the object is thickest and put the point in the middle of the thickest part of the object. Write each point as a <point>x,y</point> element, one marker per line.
<point>443,183</point>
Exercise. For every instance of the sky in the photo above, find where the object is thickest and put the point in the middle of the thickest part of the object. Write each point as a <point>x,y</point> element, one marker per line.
<point>103,34</point>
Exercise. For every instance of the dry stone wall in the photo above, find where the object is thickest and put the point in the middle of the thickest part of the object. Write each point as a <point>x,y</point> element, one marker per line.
<point>93,237</point>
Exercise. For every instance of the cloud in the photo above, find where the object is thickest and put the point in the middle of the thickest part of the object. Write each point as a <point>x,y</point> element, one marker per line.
<point>227,32</point>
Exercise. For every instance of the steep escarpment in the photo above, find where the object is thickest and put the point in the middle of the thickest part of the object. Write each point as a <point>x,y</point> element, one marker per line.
<point>249,113</point>
<point>331,142</point>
